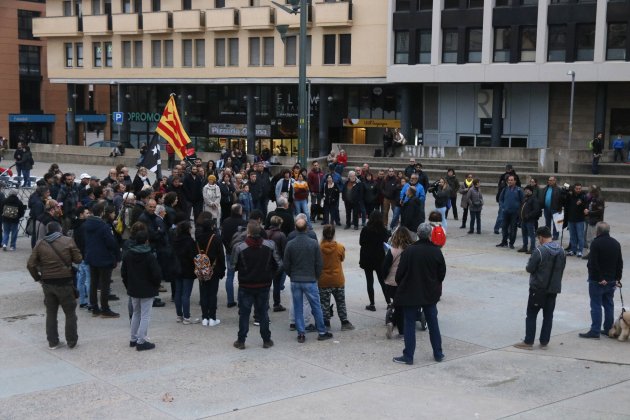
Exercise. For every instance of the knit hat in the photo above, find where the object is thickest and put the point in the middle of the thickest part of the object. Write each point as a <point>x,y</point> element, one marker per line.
<point>212,178</point>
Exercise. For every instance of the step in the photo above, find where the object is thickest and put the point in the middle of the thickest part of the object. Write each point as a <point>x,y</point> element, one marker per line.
<point>604,168</point>
<point>458,167</point>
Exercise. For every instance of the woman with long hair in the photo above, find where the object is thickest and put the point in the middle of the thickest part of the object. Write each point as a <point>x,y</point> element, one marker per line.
<point>227,195</point>
<point>185,249</point>
<point>401,239</point>
<point>208,237</point>
<point>372,239</point>
<point>140,180</point>
<point>442,194</point>
<point>211,168</point>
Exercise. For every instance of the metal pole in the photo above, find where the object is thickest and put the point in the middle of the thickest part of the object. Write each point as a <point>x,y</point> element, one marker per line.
<point>572,73</point>
<point>118,110</point>
<point>302,94</point>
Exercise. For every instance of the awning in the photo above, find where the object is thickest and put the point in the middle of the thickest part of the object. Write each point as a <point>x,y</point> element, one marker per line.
<point>32,118</point>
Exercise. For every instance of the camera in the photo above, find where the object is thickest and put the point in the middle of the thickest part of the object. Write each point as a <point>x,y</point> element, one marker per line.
<point>434,186</point>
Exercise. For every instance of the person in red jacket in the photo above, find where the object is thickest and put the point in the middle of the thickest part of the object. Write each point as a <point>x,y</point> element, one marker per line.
<point>315,183</point>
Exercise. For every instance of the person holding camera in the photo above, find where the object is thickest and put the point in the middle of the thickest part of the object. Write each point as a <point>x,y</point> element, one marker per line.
<point>442,194</point>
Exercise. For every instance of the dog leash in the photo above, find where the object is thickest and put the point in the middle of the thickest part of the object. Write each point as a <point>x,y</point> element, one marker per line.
<point>623,308</point>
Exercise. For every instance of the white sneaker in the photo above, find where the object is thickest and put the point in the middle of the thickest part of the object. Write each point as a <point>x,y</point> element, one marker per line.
<point>214,322</point>
<point>4,248</point>
<point>204,322</point>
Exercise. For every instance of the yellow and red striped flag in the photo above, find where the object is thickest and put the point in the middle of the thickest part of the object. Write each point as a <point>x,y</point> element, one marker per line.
<point>170,127</point>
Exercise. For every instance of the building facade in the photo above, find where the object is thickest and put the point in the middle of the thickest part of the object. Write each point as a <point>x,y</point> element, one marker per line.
<point>224,60</point>
<point>32,109</point>
<point>499,72</point>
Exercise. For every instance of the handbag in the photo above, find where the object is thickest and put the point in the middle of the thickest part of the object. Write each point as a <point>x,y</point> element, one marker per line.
<point>119,225</point>
<point>400,139</point>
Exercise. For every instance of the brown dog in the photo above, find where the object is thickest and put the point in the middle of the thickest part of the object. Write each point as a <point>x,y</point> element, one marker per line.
<point>621,327</point>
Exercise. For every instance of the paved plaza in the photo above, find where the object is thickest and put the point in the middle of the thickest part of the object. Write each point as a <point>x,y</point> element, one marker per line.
<point>196,373</point>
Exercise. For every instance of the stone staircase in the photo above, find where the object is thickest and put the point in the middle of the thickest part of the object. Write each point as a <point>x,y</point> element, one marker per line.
<point>488,164</point>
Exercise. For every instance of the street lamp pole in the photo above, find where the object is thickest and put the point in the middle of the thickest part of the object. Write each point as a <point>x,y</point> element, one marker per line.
<point>303,102</point>
<point>572,74</point>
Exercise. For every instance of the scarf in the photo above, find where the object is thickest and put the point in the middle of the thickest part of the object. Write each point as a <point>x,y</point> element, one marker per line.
<point>254,242</point>
<point>468,184</point>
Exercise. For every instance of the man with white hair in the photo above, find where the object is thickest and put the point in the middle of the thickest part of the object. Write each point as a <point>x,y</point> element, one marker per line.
<point>420,274</point>
<point>352,199</point>
<point>282,211</point>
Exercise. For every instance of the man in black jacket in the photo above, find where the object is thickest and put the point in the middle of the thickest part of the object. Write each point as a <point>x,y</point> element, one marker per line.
<point>229,227</point>
<point>36,208</point>
<point>598,149</point>
<point>574,215</point>
<point>420,274</point>
<point>257,263</point>
<point>352,198</point>
<point>545,268</point>
<point>282,211</point>
<point>193,186</point>
<point>605,268</point>
<point>529,214</point>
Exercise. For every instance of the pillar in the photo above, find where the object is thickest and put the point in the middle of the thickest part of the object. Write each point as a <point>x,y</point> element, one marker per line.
<point>600,108</point>
<point>71,131</point>
<point>405,111</point>
<point>251,120</point>
<point>324,120</point>
<point>123,103</point>
<point>497,114</point>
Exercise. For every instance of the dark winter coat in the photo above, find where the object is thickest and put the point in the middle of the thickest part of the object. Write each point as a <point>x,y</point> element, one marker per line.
<point>391,187</point>
<point>331,195</point>
<point>185,249</point>
<point>101,247</point>
<point>412,214</point>
<point>14,201</point>
<point>540,265</point>
<point>370,192</point>
<point>574,207</point>
<point>228,228</point>
<point>605,261</point>
<point>596,206</point>
<point>556,198</point>
<point>215,252</point>
<point>420,274</point>
<point>288,223</point>
<point>530,209</point>
<point>256,262</point>
<point>372,252</point>
<point>140,272</point>
<point>353,193</point>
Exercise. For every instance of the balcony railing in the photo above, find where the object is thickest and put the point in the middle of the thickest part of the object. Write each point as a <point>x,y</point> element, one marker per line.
<point>224,19</point>
<point>333,14</point>
<point>257,17</point>
<point>189,21</point>
<point>56,26</point>
<point>156,22</point>
<point>127,23</point>
<point>283,18</point>
<point>97,25</point>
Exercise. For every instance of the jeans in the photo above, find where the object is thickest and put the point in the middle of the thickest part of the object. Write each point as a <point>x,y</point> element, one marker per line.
<point>54,297</point>
<point>301,206</point>
<point>475,216</point>
<point>619,152</point>
<point>576,229</point>
<point>229,279</point>
<point>508,229</point>
<point>310,289</point>
<point>11,229</point>
<point>453,201</point>
<point>363,211</point>
<point>532,314</point>
<point>26,174</point>
<point>549,222</point>
<point>259,298</point>
<point>595,165</point>
<point>208,296</point>
<point>352,210</point>
<point>306,310</point>
<point>395,217</point>
<point>83,282</point>
<point>140,318</point>
<point>183,290</point>
<point>528,230</point>
<point>442,211</point>
<point>601,296</point>
<point>411,314</point>
<point>369,277</point>
<point>499,222</point>
<point>100,278</point>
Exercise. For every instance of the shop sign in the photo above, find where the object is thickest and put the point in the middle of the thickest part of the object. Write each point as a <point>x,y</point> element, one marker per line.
<point>370,123</point>
<point>144,116</point>
<point>238,130</point>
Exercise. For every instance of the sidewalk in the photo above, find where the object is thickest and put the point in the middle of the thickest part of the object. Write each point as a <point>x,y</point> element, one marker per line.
<point>482,314</point>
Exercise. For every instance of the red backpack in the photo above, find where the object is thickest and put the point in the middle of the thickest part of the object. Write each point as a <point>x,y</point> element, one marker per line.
<point>438,236</point>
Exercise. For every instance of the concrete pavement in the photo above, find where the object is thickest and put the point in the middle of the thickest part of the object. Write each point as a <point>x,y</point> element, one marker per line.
<point>482,314</point>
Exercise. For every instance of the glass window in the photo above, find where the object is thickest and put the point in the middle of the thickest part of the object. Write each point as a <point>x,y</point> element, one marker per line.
<point>168,53</point>
<point>616,41</point>
<point>137,53</point>
<point>67,8</point>
<point>126,53</point>
<point>156,53</point>
<point>126,6</point>
<point>254,51</point>
<point>585,39</point>
<point>30,96</point>
<point>29,60</point>
<point>449,46</point>
<point>156,5</point>
<point>187,52</point>
<point>268,43</point>
<point>501,3</point>
<point>233,59</point>
<point>79,48</point>
<point>557,48</point>
<point>290,50</point>
<point>219,52</point>
<point>25,24</point>
<point>69,54</point>
<point>96,7</point>
<point>107,7</point>
<point>475,36</point>
<point>401,54</point>
<point>501,45</point>
<point>451,4</point>
<point>309,42</point>
<point>186,4</point>
<point>345,49</point>
<point>330,42</point>
<point>529,2</point>
<point>97,54</point>
<point>528,43</point>
<point>424,46</point>
<point>108,53</point>
<point>403,5</point>
<point>200,52</point>
<point>426,5</point>
<point>218,4</point>
<point>474,4</point>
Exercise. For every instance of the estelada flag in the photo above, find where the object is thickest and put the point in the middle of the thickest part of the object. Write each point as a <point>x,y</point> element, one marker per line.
<point>170,127</point>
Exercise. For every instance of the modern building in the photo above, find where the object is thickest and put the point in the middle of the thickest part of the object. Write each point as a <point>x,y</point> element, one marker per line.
<point>32,109</point>
<point>223,59</point>
<point>500,72</point>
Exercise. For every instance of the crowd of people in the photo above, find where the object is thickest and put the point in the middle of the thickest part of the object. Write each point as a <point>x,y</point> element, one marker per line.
<point>209,221</point>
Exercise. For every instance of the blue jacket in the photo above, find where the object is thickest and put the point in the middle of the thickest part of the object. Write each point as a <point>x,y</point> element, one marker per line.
<point>419,192</point>
<point>619,144</point>
<point>511,199</point>
<point>101,248</point>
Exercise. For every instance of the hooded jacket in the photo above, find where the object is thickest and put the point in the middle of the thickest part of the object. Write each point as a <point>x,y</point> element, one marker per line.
<point>543,273</point>
<point>140,272</point>
<point>333,254</point>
